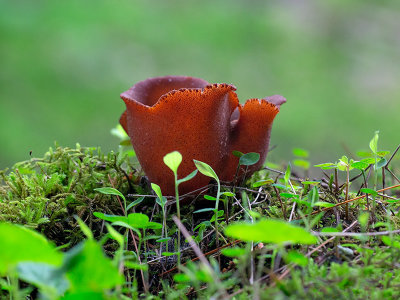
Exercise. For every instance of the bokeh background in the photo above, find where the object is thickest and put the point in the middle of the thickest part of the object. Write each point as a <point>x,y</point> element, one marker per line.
<point>63,65</point>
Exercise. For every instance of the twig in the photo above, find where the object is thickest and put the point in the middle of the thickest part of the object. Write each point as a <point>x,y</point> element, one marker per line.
<point>198,252</point>
<point>292,212</point>
<point>192,244</point>
<point>394,176</point>
<point>350,200</point>
<point>356,234</point>
<point>394,153</point>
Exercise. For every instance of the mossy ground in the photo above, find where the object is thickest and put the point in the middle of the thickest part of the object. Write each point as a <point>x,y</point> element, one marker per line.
<point>46,194</point>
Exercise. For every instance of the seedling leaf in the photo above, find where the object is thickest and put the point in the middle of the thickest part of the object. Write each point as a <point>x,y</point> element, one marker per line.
<point>156,188</point>
<point>136,202</point>
<point>138,220</point>
<point>110,218</point>
<point>373,144</point>
<point>110,191</point>
<point>237,153</point>
<point>369,191</point>
<point>187,178</point>
<point>20,244</point>
<point>173,160</point>
<point>270,231</point>
<point>205,169</point>
<point>204,210</point>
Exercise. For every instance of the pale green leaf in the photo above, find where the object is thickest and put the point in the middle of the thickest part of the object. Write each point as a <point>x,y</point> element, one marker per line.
<point>297,258</point>
<point>89,269</point>
<point>270,231</point>
<point>205,169</point>
<point>369,191</point>
<point>233,252</point>
<point>20,244</point>
<point>138,220</point>
<point>287,175</point>
<point>84,228</point>
<point>373,144</point>
<point>173,160</point>
<point>115,235</point>
<point>110,191</point>
<point>301,163</point>
<point>300,152</point>
<point>188,177</point>
<point>136,202</point>
<point>157,189</point>
<point>110,218</point>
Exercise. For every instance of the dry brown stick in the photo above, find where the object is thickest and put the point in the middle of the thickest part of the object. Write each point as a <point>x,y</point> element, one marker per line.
<point>394,153</point>
<point>192,244</point>
<point>199,254</point>
<point>356,234</point>
<point>350,200</point>
<point>394,176</point>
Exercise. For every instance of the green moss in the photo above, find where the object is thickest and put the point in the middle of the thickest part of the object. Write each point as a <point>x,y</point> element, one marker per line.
<point>45,193</point>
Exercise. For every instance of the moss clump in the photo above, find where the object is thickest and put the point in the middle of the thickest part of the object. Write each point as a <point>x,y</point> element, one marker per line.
<point>45,193</point>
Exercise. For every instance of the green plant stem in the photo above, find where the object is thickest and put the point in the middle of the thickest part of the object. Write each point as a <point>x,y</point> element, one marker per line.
<point>347,190</point>
<point>14,295</point>
<point>178,211</point>
<point>375,184</point>
<point>216,214</point>
<point>165,227</point>
<point>336,181</point>
<point>226,211</point>
<point>366,186</point>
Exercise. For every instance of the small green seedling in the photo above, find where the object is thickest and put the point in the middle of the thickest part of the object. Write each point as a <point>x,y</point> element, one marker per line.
<point>161,200</point>
<point>173,160</point>
<point>206,169</point>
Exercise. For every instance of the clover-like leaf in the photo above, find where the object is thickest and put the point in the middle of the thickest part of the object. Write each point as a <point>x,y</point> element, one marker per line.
<point>249,159</point>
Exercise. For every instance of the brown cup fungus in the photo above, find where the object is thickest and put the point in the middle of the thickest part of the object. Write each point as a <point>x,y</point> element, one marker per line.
<point>200,120</point>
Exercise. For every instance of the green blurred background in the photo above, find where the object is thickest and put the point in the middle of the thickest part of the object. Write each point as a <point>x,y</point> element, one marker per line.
<point>63,65</point>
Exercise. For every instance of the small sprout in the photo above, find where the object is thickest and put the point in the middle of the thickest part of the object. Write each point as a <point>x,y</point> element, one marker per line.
<point>373,144</point>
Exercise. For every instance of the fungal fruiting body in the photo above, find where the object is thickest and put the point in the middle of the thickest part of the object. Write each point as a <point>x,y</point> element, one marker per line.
<point>200,120</point>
